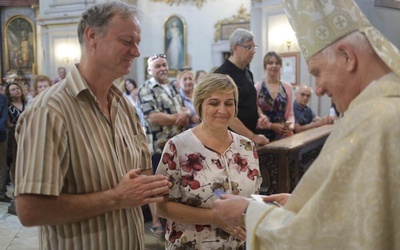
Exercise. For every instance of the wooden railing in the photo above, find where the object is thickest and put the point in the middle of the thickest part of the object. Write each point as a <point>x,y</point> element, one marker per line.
<point>283,162</point>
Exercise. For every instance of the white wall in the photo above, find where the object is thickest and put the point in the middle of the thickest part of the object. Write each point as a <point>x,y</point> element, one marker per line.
<point>58,20</point>
<point>200,29</point>
<point>386,20</point>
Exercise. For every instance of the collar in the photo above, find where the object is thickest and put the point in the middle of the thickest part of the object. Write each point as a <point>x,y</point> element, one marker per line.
<point>76,84</point>
<point>386,86</point>
<point>153,82</point>
<point>298,107</point>
<point>234,67</point>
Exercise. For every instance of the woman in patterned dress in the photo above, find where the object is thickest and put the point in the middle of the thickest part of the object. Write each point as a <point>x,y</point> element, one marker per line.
<point>204,162</point>
<point>275,98</point>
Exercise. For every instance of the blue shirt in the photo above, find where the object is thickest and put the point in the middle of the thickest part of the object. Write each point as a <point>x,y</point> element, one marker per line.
<point>304,115</point>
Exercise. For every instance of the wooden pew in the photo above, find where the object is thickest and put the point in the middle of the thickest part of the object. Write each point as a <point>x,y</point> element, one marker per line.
<point>283,162</point>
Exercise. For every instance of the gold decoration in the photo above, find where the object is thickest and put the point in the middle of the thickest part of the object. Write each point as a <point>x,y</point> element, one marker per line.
<point>242,17</point>
<point>199,3</point>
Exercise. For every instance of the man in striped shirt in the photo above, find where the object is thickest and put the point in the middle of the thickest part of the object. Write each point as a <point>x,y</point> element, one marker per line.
<point>83,158</point>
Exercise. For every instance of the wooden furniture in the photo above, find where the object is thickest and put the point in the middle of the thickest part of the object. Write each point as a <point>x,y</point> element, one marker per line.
<point>283,162</point>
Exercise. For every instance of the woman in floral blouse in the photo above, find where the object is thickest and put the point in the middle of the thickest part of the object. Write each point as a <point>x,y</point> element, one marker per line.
<point>204,162</point>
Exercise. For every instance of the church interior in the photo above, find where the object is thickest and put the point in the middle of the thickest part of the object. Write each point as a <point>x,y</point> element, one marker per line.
<point>50,29</point>
<point>39,36</point>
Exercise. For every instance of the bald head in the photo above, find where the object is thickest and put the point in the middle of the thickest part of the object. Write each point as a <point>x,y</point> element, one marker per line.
<point>303,94</point>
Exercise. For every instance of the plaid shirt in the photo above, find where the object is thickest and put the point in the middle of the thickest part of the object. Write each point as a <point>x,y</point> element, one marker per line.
<point>152,97</point>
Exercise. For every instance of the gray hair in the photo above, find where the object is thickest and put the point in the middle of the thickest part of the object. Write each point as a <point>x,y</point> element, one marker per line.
<point>99,16</point>
<point>357,40</point>
<point>240,36</point>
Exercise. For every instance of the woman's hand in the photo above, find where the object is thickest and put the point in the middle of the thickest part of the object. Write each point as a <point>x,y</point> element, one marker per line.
<point>263,122</point>
<point>236,231</point>
<point>281,129</point>
<point>227,214</point>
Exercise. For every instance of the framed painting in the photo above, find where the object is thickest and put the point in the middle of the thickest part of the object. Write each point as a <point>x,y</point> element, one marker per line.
<point>175,43</point>
<point>146,74</point>
<point>228,28</point>
<point>19,44</point>
<point>290,67</point>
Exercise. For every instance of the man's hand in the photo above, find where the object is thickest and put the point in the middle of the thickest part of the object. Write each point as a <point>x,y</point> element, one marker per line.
<point>135,190</point>
<point>281,199</point>
<point>327,120</point>
<point>230,209</point>
<point>182,118</point>
<point>324,120</point>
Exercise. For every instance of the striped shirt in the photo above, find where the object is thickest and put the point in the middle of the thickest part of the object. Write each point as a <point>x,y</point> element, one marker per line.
<point>67,145</point>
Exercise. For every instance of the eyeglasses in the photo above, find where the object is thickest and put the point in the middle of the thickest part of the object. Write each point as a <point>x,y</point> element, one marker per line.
<point>185,69</point>
<point>152,58</point>
<point>304,95</point>
<point>248,47</point>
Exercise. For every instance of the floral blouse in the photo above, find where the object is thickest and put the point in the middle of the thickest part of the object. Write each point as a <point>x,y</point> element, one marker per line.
<point>196,173</point>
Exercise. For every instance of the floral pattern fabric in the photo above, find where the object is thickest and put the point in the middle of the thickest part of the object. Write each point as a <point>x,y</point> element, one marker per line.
<point>196,173</point>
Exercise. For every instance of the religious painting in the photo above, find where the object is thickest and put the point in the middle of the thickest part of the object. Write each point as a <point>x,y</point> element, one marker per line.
<point>290,68</point>
<point>19,44</point>
<point>175,43</point>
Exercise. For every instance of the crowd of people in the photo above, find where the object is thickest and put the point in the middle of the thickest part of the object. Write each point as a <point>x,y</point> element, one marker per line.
<point>188,147</point>
<point>14,100</point>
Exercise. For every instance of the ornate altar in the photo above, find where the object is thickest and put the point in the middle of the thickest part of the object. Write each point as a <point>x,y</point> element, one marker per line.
<point>283,162</point>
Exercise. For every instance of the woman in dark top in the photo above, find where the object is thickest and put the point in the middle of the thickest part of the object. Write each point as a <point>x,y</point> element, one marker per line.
<point>16,105</point>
